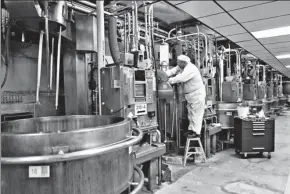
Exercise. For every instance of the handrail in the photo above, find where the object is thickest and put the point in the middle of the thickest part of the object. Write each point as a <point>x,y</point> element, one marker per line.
<point>141,182</point>
<point>74,155</point>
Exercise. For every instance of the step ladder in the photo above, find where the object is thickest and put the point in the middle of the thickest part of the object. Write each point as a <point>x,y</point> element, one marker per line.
<point>188,153</point>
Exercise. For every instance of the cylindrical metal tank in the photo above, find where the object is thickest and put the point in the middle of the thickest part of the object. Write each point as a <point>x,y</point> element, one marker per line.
<point>83,154</point>
<point>286,87</point>
<point>267,107</point>
<point>226,113</point>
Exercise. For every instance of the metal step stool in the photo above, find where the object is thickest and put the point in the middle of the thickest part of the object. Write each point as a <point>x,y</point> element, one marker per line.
<point>187,152</point>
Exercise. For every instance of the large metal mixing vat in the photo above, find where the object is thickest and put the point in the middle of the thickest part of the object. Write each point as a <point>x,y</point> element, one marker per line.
<point>85,154</point>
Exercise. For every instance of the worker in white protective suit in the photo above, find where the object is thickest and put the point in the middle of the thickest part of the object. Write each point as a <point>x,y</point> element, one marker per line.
<point>189,76</point>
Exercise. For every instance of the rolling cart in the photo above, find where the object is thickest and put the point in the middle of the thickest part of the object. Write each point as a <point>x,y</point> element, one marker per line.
<point>254,136</point>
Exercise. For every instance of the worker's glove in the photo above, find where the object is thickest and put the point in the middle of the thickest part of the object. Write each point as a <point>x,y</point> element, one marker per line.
<point>170,80</point>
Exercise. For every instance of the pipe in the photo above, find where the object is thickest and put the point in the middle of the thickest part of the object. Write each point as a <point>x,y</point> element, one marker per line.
<point>141,182</point>
<point>136,25</point>
<point>133,30</point>
<point>113,41</point>
<point>92,5</point>
<point>129,31</point>
<point>198,47</point>
<point>47,39</point>
<point>74,155</point>
<point>125,32</point>
<point>58,68</point>
<point>7,45</point>
<point>101,47</point>
<point>146,31</point>
<point>39,65</point>
<point>169,33</point>
<point>51,64</point>
<point>187,35</point>
<point>152,28</point>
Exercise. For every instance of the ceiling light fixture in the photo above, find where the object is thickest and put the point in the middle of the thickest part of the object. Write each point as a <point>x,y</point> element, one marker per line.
<point>272,32</point>
<point>285,56</point>
<point>288,66</point>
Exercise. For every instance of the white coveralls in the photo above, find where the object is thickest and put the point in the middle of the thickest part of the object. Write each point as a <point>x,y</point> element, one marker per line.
<point>194,91</point>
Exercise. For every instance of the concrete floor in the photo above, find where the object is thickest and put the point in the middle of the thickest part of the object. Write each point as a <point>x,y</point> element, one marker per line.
<point>227,173</point>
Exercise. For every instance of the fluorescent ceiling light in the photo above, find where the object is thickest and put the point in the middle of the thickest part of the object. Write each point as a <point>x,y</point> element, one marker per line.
<point>288,66</point>
<point>285,56</point>
<point>272,32</point>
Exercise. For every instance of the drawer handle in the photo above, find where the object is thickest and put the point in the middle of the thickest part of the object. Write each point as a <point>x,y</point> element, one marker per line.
<point>261,148</point>
<point>258,134</point>
<point>258,129</point>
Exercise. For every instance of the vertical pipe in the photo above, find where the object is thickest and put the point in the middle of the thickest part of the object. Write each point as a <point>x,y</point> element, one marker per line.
<point>47,39</point>
<point>39,63</point>
<point>125,32</point>
<point>133,30</point>
<point>129,31</point>
<point>136,25</point>
<point>51,64</point>
<point>198,47</point>
<point>152,30</point>
<point>58,68</point>
<point>101,46</point>
<point>146,31</point>
<point>221,63</point>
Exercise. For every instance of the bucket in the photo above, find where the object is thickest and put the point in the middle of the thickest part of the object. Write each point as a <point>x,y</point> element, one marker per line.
<point>243,111</point>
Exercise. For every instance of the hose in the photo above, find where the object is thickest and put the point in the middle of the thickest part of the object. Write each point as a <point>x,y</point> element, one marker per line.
<point>113,42</point>
<point>7,44</point>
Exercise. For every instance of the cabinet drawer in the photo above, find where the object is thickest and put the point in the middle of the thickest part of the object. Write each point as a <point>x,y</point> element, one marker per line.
<point>258,145</point>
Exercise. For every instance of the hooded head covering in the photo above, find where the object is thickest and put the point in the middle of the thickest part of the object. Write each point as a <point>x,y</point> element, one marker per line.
<point>183,58</point>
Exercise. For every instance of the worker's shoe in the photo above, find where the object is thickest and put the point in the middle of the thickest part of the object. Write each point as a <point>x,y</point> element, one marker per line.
<point>191,134</point>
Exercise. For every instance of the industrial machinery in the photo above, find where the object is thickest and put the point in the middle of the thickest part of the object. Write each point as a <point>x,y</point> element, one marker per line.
<point>230,89</point>
<point>275,104</point>
<point>129,88</point>
<point>269,88</point>
<point>68,154</point>
<point>262,89</point>
<point>249,75</point>
<point>71,78</point>
<point>286,90</point>
<point>282,98</point>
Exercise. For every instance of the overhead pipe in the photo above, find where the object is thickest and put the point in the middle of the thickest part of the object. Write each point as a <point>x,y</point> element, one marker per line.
<point>101,47</point>
<point>92,5</point>
<point>187,35</point>
<point>39,63</point>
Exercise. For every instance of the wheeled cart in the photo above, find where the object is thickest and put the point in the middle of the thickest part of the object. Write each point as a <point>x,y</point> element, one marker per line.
<point>254,136</point>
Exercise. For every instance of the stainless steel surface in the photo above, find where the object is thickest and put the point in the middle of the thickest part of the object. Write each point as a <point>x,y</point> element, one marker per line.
<point>95,145</point>
<point>30,14</point>
<point>226,113</point>
<point>286,87</point>
<point>86,33</point>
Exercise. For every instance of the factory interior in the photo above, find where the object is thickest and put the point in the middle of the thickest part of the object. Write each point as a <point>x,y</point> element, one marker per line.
<point>136,97</point>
